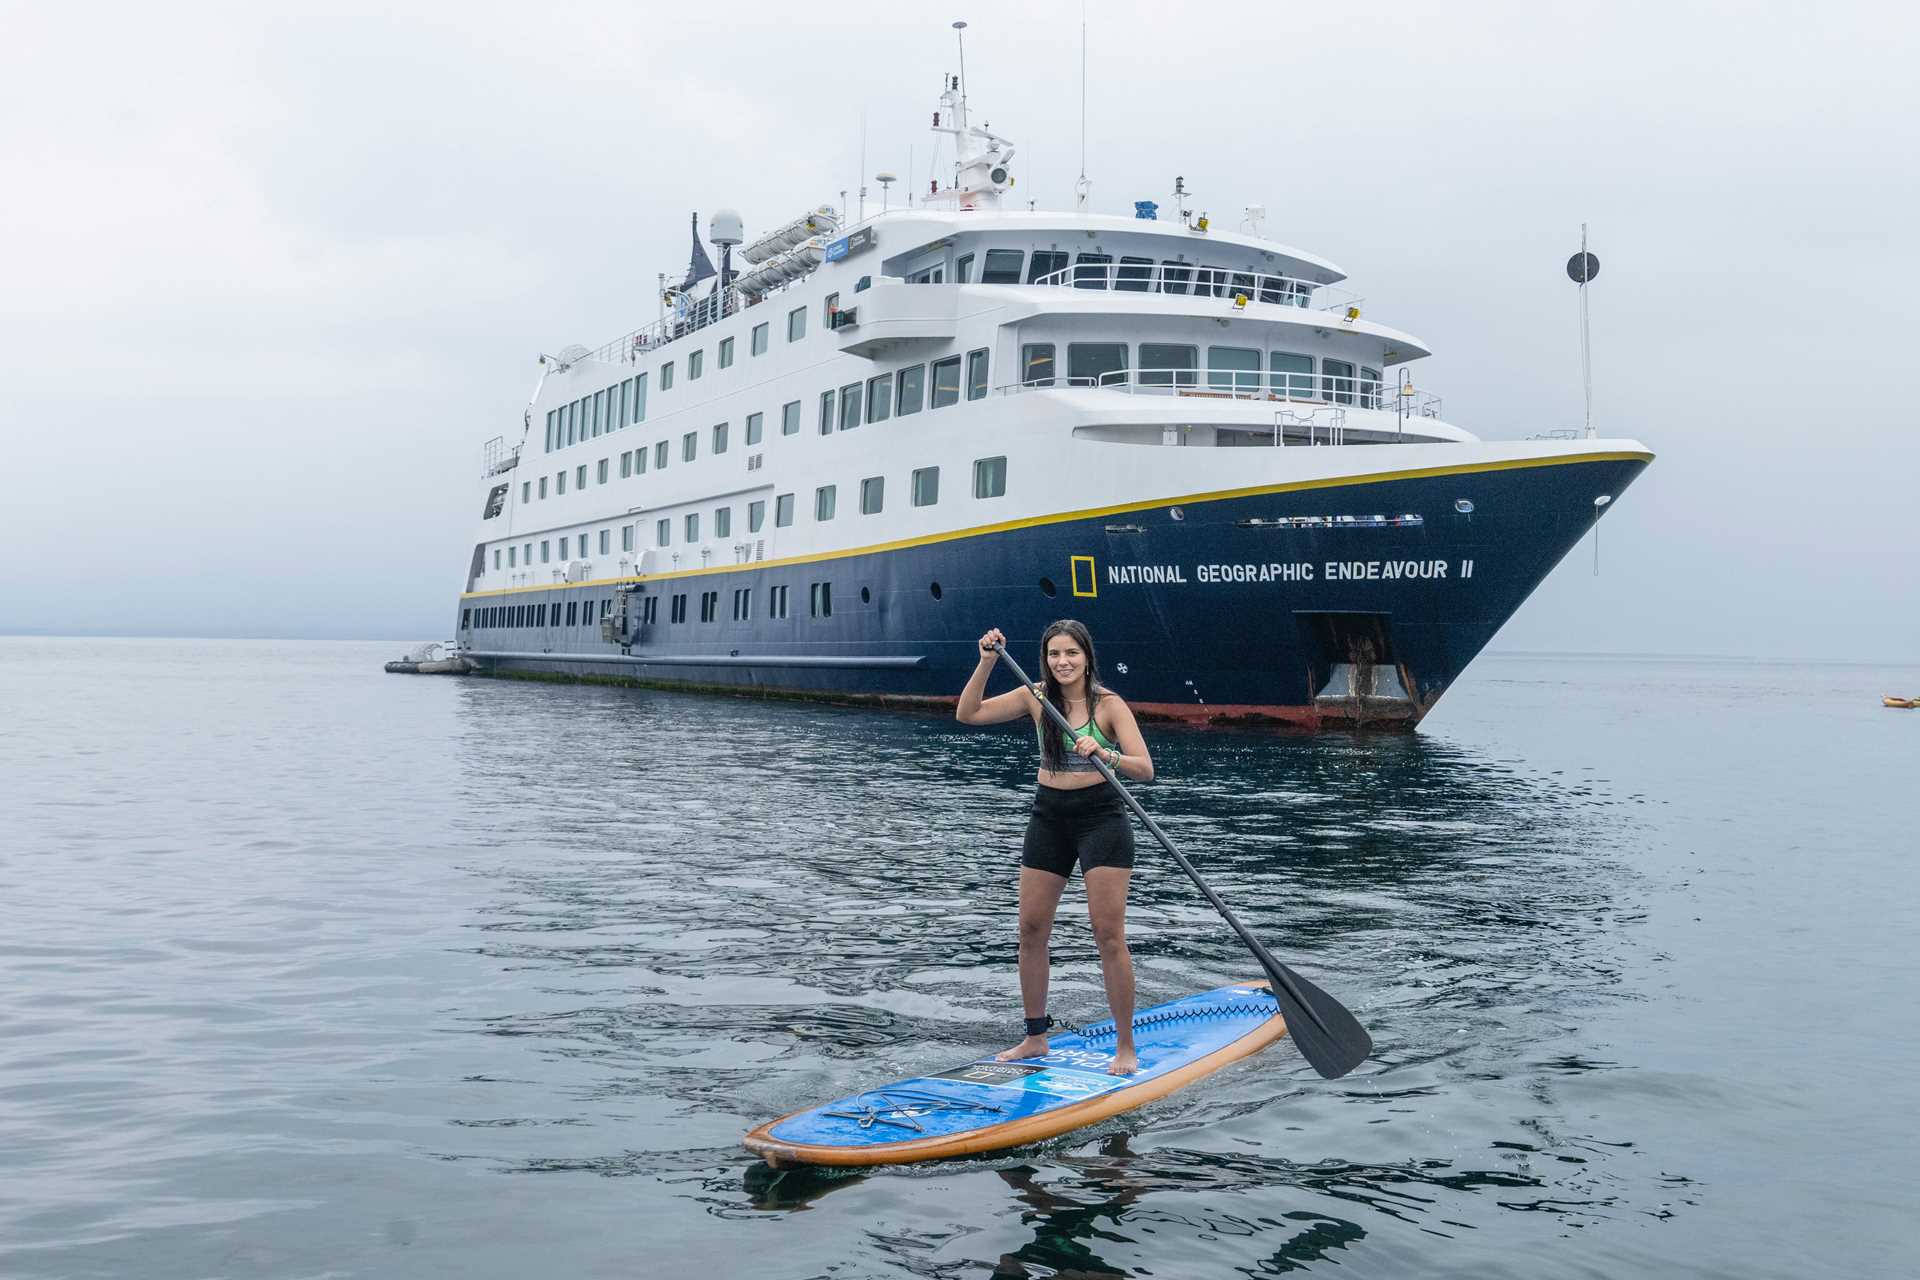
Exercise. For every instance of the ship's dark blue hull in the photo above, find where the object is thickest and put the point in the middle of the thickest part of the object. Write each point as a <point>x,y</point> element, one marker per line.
<point>1358,601</point>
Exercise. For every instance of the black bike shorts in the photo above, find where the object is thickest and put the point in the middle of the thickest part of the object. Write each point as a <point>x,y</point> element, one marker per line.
<point>1088,825</point>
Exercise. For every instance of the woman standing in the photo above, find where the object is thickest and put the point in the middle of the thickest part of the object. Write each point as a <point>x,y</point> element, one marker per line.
<point>1077,817</point>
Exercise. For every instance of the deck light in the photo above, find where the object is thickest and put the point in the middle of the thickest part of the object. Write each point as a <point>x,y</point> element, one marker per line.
<point>1239,302</point>
<point>1353,313</point>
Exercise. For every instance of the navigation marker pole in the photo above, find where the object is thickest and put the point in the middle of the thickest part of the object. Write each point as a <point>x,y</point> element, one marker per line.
<point>1582,267</point>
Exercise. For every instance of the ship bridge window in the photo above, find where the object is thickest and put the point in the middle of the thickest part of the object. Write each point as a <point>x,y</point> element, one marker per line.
<point>928,275</point>
<point>1336,381</point>
<point>1045,263</point>
<point>880,398</point>
<point>977,374</point>
<point>599,410</point>
<point>796,324</point>
<point>1036,364</point>
<point>566,425</point>
<point>1370,388</point>
<point>946,382</point>
<point>1094,364</point>
<point>790,418</point>
<point>1002,266</point>
<point>1273,289</point>
<point>757,344</point>
<point>1135,275</point>
<point>620,408</point>
<point>1091,270</point>
<point>666,376</point>
<point>1291,375</point>
<point>963,270</point>
<point>553,420</point>
<point>850,406</point>
<point>782,511</point>
<point>1166,364</point>
<point>639,397</point>
<point>913,390</point>
<point>1242,284</point>
<point>1235,369</point>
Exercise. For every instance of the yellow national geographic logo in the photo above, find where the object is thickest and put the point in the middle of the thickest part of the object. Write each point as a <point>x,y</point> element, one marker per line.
<point>1086,578</point>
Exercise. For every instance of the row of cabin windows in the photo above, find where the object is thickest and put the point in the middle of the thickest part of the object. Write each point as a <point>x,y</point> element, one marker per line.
<point>923,490</point>
<point>574,613</point>
<point>625,403</point>
<point>887,395</point>
<point>1231,369</point>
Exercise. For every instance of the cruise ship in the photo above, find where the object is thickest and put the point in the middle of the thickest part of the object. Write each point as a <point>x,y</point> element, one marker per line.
<point>840,456</point>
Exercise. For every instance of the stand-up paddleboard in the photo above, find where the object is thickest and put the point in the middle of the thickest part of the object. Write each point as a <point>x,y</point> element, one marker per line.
<point>988,1105</point>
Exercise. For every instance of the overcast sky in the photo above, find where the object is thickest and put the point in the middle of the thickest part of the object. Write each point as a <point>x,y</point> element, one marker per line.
<point>273,273</point>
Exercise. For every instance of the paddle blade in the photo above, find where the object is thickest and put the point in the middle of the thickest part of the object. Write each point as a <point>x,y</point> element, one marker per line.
<point>1329,1037</point>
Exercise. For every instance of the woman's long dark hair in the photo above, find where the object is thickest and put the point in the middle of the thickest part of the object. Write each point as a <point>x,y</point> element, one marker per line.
<point>1053,751</point>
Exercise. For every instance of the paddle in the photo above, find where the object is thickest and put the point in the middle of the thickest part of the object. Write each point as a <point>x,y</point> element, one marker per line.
<point>1331,1039</point>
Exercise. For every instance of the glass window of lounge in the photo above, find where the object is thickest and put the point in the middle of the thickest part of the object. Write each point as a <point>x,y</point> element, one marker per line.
<point>693,526</point>
<point>1370,389</point>
<point>1336,381</point>
<point>1002,266</point>
<point>719,437</point>
<point>989,477</point>
<point>639,398</point>
<point>723,522</point>
<point>880,398</point>
<point>913,388</point>
<point>926,486</point>
<point>689,446</point>
<point>963,270</point>
<point>757,341</point>
<point>946,382</point>
<point>756,515</point>
<point>1135,275</point>
<point>666,376</point>
<point>790,418</point>
<point>873,493</point>
<point>696,365</point>
<point>1168,364</point>
<point>1092,270</point>
<point>756,428</point>
<point>826,413</point>
<point>823,502</point>
<point>1096,364</point>
<point>782,510</point>
<point>726,353</point>
<point>1235,369</point>
<point>977,374</point>
<point>1036,364</point>
<point>663,531</point>
<point>850,406</point>
<point>796,324</point>
<point>1045,262</point>
<point>660,455</point>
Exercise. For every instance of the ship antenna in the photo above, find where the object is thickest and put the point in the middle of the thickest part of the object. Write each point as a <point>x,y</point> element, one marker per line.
<point>1083,187</point>
<point>1582,267</point>
<point>960,34</point>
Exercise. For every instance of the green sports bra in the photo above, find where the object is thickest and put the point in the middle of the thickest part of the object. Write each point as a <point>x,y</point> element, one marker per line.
<point>1073,761</point>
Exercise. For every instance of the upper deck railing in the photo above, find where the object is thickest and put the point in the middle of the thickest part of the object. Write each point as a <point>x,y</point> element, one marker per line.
<point>1308,389</point>
<point>695,314</point>
<point>1190,280</point>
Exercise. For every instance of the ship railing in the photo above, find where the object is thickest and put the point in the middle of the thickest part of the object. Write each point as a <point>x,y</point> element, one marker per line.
<point>1190,280</point>
<point>495,457</point>
<point>1400,399</point>
<point>690,315</point>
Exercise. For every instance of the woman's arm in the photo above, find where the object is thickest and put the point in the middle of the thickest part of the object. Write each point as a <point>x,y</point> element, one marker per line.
<point>974,707</point>
<point>1133,760</point>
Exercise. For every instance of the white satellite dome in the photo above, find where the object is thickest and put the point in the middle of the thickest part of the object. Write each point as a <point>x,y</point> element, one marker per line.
<point>724,228</point>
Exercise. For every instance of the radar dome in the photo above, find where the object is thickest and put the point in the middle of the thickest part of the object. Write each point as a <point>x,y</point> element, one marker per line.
<point>724,227</point>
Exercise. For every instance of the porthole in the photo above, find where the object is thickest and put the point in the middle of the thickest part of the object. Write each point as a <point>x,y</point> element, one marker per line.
<point>1177,513</point>
<point>935,589</point>
<point>1463,505</point>
<point>866,596</point>
<point>1046,586</point>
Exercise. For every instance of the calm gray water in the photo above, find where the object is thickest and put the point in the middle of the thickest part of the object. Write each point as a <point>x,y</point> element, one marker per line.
<point>307,970</point>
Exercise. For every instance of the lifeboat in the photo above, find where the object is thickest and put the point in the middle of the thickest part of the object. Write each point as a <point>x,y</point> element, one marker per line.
<point>818,222</point>
<point>785,269</point>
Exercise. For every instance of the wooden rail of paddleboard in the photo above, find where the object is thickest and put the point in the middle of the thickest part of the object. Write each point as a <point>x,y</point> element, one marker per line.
<point>1014,1133</point>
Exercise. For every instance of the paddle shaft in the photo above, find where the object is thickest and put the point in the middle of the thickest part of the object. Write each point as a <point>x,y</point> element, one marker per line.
<point>1282,976</point>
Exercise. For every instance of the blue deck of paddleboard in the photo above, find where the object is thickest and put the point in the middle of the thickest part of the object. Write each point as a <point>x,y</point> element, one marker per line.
<point>985,1093</point>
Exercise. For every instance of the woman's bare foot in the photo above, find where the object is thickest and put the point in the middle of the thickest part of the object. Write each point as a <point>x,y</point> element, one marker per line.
<point>1031,1047</point>
<point>1125,1063</point>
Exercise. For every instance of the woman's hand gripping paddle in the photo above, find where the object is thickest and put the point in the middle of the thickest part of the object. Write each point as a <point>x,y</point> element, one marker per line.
<point>1331,1039</point>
